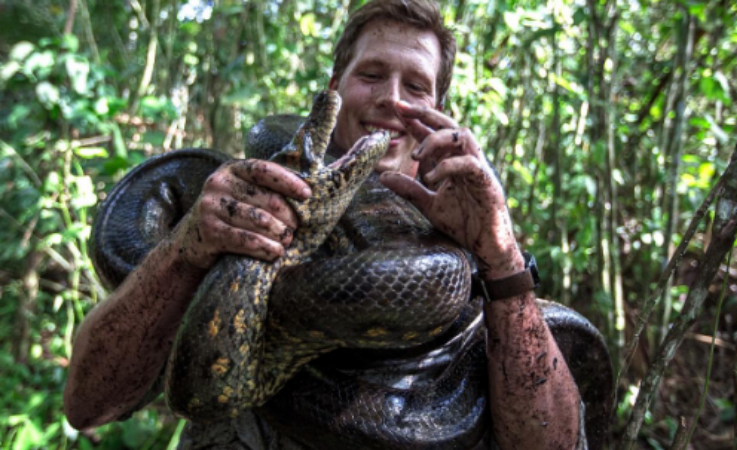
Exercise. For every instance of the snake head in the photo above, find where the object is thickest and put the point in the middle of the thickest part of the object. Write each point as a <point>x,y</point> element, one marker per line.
<point>333,186</point>
<point>306,152</point>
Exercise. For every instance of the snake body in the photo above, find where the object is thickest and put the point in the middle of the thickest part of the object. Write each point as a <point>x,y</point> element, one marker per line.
<point>222,362</point>
<point>380,283</point>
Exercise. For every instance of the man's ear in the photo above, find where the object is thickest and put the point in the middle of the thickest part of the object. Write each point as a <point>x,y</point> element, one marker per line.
<point>333,83</point>
<point>439,106</point>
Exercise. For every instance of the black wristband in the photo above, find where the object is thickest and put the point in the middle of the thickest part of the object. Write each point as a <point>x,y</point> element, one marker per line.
<point>514,285</point>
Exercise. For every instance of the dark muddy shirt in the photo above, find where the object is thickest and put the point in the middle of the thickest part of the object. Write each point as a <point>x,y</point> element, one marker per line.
<point>249,432</point>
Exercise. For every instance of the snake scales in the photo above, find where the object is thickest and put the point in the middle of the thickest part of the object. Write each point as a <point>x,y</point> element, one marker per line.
<point>416,383</point>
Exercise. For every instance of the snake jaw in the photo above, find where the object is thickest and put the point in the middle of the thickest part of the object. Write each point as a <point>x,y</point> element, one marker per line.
<point>359,162</point>
<point>334,186</point>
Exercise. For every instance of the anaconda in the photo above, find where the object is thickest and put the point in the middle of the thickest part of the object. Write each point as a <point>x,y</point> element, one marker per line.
<point>221,362</point>
<point>431,394</point>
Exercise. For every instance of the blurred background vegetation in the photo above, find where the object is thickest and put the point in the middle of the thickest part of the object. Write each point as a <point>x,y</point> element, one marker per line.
<point>609,122</point>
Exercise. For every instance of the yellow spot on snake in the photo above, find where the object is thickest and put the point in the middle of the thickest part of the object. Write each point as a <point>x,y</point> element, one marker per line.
<point>220,366</point>
<point>234,286</point>
<point>194,403</point>
<point>409,336</point>
<point>234,413</point>
<point>240,322</point>
<point>376,332</point>
<point>436,331</point>
<point>244,350</point>
<point>317,334</point>
<point>225,396</point>
<point>214,324</point>
<point>257,294</point>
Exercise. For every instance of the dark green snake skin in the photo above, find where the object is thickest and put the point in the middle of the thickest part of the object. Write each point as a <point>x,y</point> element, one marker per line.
<point>223,360</point>
<point>384,299</point>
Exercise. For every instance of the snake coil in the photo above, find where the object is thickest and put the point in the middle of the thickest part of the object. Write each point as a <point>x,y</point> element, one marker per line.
<point>404,361</point>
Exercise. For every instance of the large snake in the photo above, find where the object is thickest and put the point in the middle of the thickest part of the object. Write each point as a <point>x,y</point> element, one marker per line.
<point>384,285</point>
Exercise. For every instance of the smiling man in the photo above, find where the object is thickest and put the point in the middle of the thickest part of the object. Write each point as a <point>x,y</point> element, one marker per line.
<point>393,67</point>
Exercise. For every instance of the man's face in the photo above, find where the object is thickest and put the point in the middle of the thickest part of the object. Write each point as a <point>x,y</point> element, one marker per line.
<point>391,62</point>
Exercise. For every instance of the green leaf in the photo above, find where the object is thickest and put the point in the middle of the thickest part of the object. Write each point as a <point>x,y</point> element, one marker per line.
<point>28,437</point>
<point>91,152</point>
<point>21,50</point>
<point>308,25</point>
<point>40,63</point>
<point>78,69</point>
<point>70,42</point>
<point>512,20</point>
<point>52,182</point>
<point>157,107</point>
<point>101,106</point>
<point>722,80</point>
<point>9,69</point>
<point>17,419</point>
<point>627,27</point>
<point>18,114</point>
<point>498,85</point>
<point>47,94</point>
<point>617,176</point>
<point>115,164</point>
<point>523,171</point>
<point>85,192</point>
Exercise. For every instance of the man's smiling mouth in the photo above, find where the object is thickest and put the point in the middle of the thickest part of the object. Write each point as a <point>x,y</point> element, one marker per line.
<point>393,134</point>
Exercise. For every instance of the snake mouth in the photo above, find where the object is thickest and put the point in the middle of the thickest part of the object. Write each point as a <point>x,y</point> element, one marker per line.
<point>368,147</point>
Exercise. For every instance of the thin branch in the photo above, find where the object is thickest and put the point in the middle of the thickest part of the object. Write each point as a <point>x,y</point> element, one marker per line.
<point>649,305</point>
<point>69,24</point>
<point>711,353</point>
<point>679,441</point>
<point>705,339</point>
<point>5,148</point>
<point>724,235</point>
<point>88,31</point>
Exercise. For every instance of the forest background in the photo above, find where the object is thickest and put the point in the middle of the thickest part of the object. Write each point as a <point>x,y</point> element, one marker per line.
<point>609,121</point>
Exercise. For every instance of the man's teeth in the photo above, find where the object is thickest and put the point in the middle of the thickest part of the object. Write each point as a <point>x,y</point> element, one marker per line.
<point>392,133</point>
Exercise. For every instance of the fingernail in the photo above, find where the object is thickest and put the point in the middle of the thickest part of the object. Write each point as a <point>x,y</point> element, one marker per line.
<point>403,104</point>
<point>306,193</point>
<point>430,176</point>
<point>417,152</point>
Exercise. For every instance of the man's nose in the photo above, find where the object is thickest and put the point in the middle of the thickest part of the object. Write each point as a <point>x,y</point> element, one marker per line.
<point>389,93</point>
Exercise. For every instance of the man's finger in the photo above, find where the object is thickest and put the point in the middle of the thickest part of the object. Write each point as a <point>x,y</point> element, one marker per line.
<point>251,244</point>
<point>251,218</point>
<point>467,168</point>
<point>417,129</point>
<point>265,199</point>
<point>445,143</point>
<point>409,189</point>
<point>429,116</point>
<point>271,176</point>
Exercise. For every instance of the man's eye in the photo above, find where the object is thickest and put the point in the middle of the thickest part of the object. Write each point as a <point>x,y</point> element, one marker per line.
<point>370,75</point>
<point>417,87</point>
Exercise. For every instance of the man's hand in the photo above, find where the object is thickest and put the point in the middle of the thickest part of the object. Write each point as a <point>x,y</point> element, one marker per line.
<point>459,193</point>
<point>241,210</point>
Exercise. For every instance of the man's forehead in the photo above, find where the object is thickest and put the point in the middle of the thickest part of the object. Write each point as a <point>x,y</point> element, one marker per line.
<point>402,35</point>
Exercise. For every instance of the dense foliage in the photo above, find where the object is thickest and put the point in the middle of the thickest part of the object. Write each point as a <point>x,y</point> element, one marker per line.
<point>607,121</point>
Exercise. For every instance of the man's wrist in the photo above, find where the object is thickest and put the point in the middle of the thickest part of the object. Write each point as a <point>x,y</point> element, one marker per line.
<point>502,263</point>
